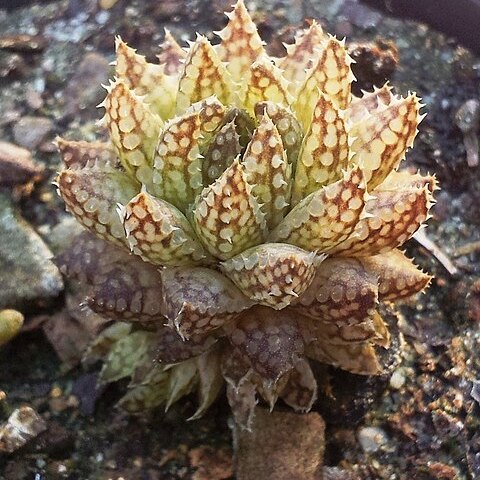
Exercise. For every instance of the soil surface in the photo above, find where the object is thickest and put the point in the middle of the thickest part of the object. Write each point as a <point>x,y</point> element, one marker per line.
<point>420,421</point>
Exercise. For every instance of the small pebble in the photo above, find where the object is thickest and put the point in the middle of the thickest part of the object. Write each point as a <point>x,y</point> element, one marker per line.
<point>397,380</point>
<point>371,439</point>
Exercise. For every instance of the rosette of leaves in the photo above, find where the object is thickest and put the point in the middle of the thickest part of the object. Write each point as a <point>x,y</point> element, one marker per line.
<point>245,217</point>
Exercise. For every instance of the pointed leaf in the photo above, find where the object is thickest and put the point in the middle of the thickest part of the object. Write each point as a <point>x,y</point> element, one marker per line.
<point>290,130</point>
<point>76,155</point>
<point>382,138</point>
<point>272,274</point>
<point>343,292</point>
<point>91,195</point>
<point>326,217</point>
<point>172,55</point>
<point>182,380</point>
<point>159,233</point>
<point>264,82</point>
<point>398,276</point>
<point>241,44</point>
<point>177,175</point>
<point>300,392</point>
<point>198,299</point>
<point>325,151</point>
<point>146,79</point>
<point>203,75</point>
<point>300,54</point>
<point>226,216</point>
<point>268,171</point>
<point>133,129</point>
<point>270,340</point>
<point>331,74</point>
<point>394,216</point>
<point>210,381</point>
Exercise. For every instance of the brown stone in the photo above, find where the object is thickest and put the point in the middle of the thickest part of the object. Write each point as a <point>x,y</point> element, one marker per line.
<point>282,445</point>
<point>17,166</point>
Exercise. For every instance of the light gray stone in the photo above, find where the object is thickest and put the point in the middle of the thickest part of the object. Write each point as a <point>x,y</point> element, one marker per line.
<point>27,273</point>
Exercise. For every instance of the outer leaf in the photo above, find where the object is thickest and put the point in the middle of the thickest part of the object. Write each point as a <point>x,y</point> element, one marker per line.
<point>325,150</point>
<point>326,217</point>
<point>125,356</point>
<point>271,341</point>
<point>330,74</point>
<point>103,343</point>
<point>133,129</point>
<point>343,292</point>
<point>300,392</point>
<point>203,75</point>
<point>394,216</point>
<point>226,216</point>
<point>177,175</point>
<point>147,79</point>
<point>182,380</point>
<point>171,348</point>
<point>91,195</point>
<point>268,172</point>
<point>172,56</point>
<point>159,233</point>
<point>241,44</point>
<point>290,130</point>
<point>76,155</point>
<point>264,82</point>
<point>120,286</point>
<point>127,289</point>
<point>398,276</point>
<point>301,54</point>
<point>382,138</point>
<point>211,381</point>
<point>344,334</point>
<point>198,299</point>
<point>150,394</point>
<point>272,274</point>
<point>357,358</point>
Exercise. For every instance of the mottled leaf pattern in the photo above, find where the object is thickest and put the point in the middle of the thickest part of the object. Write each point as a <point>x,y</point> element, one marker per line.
<point>241,44</point>
<point>133,129</point>
<point>203,75</point>
<point>330,74</point>
<point>267,169</point>
<point>300,55</point>
<point>257,209</point>
<point>326,217</point>
<point>325,151</point>
<point>226,216</point>
<point>198,300</point>
<point>159,233</point>
<point>272,274</point>
<point>92,194</point>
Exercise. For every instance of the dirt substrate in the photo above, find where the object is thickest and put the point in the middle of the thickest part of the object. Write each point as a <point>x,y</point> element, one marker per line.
<point>420,422</point>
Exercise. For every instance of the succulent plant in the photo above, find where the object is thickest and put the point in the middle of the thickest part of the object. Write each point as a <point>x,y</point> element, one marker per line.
<point>245,218</point>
